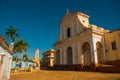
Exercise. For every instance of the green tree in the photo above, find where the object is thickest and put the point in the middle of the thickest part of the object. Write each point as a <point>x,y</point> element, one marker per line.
<point>11,33</point>
<point>21,46</point>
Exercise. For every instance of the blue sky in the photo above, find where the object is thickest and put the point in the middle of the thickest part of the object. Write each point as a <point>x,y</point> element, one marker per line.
<point>38,20</point>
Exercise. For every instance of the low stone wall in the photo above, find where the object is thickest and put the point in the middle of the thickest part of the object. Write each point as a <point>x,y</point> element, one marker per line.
<point>76,67</point>
<point>108,69</point>
<point>116,63</point>
<point>92,67</point>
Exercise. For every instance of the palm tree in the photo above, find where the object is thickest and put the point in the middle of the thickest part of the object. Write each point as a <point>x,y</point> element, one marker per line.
<point>11,33</point>
<point>21,46</point>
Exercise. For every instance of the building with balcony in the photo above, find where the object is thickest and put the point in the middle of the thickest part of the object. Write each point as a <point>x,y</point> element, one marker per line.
<point>48,58</point>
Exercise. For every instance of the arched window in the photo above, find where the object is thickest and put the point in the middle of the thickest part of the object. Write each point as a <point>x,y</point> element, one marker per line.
<point>68,32</point>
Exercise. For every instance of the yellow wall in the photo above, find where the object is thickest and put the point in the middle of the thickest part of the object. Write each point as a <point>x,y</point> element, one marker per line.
<point>110,37</point>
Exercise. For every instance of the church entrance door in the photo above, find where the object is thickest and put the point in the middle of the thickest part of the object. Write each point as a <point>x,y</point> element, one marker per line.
<point>69,56</point>
<point>86,54</point>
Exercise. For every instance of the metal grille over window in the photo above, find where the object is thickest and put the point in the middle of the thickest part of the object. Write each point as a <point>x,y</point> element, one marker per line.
<point>113,44</point>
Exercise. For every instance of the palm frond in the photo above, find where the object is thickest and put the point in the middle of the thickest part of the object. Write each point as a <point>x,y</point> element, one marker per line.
<point>11,33</point>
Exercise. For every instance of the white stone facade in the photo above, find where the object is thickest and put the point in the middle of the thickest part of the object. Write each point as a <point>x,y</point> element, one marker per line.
<point>79,41</point>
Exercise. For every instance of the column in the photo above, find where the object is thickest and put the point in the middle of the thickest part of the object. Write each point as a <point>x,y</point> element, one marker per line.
<point>60,33</point>
<point>73,53</point>
<point>104,48</point>
<point>60,56</point>
<point>65,60</point>
<point>64,32</point>
<point>55,57</point>
<point>79,53</point>
<point>94,52</point>
<point>72,28</point>
<point>95,56</point>
<point>9,67</point>
<point>77,26</point>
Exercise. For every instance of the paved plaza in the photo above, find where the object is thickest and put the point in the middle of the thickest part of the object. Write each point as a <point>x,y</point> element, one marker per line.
<point>65,75</point>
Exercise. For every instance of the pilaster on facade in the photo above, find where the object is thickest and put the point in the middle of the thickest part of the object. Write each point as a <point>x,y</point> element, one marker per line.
<point>72,28</point>
<point>94,52</point>
<point>65,60</point>
<point>9,66</point>
<point>95,57</point>
<point>77,26</point>
<point>79,52</point>
<point>73,53</point>
<point>60,55</point>
<point>61,34</point>
<point>64,32</point>
<point>104,49</point>
<point>55,57</point>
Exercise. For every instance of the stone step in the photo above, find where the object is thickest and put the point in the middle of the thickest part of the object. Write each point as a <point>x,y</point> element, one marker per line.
<point>115,63</point>
<point>108,68</point>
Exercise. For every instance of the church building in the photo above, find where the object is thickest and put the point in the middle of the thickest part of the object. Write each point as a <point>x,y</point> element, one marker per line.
<point>81,44</point>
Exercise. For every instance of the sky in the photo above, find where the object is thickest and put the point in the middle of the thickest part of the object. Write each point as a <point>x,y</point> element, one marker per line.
<point>37,21</point>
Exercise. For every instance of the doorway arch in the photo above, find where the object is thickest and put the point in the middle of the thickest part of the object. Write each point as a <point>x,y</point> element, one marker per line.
<point>69,56</point>
<point>86,54</point>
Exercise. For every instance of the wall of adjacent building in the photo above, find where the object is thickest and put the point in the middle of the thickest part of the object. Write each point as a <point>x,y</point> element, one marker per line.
<point>6,66</point>
<point>111,37</point>
<point>48,58</point>
<point>52,59</point>
<point>51,62</point>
